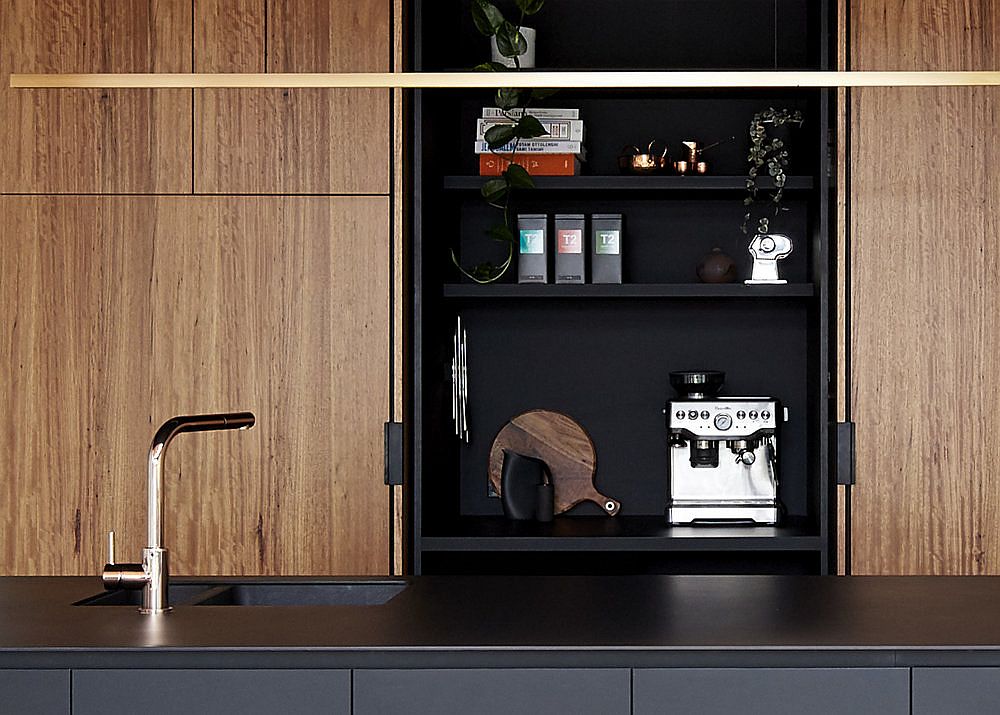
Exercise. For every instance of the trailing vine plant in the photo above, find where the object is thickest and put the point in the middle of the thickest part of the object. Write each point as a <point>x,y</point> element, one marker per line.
<point>513,104</point>
<point>769,152</point>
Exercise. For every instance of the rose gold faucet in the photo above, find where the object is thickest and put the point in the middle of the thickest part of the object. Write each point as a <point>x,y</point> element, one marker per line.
<point>153,573</point>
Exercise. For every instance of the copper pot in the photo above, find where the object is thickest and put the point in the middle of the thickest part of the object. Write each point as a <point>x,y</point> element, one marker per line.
<point>633,160</point>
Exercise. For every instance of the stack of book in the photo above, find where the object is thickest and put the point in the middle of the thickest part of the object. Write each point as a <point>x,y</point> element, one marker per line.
<point>558,153</point>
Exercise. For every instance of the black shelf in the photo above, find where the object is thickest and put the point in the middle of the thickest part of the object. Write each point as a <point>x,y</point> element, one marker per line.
<point>628,290</point>
<point>636,183</point>
<point>620,533</point>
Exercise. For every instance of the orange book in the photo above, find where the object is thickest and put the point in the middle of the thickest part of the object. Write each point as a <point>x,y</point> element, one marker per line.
<point>536,164</point>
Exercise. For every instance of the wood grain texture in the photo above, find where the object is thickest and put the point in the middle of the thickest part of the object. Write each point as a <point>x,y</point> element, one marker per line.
<point>278,306</point>
<point>74,377</point>
<point>840,262</point>
<point>313,141</point>
<point>400,259</point>
<point>89,141</point>
<point>123,311</point>
<point>565,447</point>
<point>924,262</point>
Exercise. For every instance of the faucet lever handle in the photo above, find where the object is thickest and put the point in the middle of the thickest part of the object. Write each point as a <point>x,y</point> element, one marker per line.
<point>111,547</point>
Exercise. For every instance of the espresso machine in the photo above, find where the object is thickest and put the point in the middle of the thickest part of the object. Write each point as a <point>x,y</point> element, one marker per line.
<point>723,453</point>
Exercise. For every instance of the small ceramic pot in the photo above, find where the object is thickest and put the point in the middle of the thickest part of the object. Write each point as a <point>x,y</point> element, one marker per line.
<point>717,267</point>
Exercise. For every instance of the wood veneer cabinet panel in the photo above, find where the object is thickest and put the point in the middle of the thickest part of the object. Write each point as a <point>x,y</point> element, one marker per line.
<point>95,141</point>
<point>295,140</point>
<point>924,295</point>
<point>74,377</point>
<point>279,306</point>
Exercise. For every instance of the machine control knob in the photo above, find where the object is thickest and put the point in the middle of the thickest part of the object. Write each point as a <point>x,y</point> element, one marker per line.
<point>765,415</point>
<point>746,457</point>
<point>767,244</point>
<point>692,415</point>
<point>723,421</point>
<point>753,414</point>
<point>704,414</point>
<point>679,414</point>
<point>741,415</point>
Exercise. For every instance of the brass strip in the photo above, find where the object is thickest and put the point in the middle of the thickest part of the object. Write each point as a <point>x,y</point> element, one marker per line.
<point>566,80</point>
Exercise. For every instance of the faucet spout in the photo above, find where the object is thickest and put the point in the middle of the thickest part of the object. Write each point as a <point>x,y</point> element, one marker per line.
<point>157,451</point>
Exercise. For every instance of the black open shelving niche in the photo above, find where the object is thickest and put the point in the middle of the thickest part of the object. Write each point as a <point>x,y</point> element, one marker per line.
<point>602,353</point>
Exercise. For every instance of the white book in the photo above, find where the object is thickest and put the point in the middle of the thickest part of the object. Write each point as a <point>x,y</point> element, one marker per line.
<point>560,129</point>
<point>537,112</point>
<point>534,146</point>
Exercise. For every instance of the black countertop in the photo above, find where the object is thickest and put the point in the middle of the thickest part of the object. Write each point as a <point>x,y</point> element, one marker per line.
<point>533,621</point>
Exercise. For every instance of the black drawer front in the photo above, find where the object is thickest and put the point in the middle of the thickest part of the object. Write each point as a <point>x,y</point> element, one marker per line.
<point>491,691</point>
<point>818,691</point>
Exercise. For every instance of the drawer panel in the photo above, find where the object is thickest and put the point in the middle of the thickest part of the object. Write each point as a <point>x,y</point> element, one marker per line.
<point>156,692</point>
<point>956,690</point>
<point>492,691</point>
<point>879,691</point>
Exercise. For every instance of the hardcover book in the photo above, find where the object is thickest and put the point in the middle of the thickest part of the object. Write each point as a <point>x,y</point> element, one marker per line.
<point>536,164</point>
<point>558,129</point>
<point>536,112</point>
<point>533,146</point>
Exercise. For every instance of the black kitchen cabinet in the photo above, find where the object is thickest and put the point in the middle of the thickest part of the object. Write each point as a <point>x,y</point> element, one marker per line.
<point>820,691</point>
<point>492,691</point>
<point>602,353</point>
<point>970,691</point>
<point>170,691</point>
<point>41,692</point>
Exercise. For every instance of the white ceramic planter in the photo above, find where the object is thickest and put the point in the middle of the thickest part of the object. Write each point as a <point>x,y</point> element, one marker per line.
<point>526,59</point>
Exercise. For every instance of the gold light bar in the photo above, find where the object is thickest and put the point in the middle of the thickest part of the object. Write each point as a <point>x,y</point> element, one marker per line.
<point>491,80</point>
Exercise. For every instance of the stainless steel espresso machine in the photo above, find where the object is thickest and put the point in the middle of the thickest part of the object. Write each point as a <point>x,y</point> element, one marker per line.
<point>723,453</point>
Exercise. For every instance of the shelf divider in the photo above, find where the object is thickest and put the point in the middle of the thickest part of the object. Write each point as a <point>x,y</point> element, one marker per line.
<point>637,183</point>
<point>628,290</point>
<point>621,533</point>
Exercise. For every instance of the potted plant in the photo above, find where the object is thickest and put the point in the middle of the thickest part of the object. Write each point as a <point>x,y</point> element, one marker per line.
<point>767,154</point>
<point>512,44</point>
<point>510,41</point>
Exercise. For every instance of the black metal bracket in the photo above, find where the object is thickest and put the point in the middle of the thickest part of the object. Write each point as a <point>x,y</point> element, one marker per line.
<point>844,437</point>
<point>393,460</point>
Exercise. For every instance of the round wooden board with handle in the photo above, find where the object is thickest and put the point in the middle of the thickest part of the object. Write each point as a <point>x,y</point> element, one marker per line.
<point>560,442</point>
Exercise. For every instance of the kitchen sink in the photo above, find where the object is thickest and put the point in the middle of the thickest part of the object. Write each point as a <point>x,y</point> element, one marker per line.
<point>265,592</point>
<point>181,594</point>
<point>359,593</point>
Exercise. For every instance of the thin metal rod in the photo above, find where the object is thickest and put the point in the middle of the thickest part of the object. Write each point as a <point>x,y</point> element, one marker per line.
<point>571,79</point>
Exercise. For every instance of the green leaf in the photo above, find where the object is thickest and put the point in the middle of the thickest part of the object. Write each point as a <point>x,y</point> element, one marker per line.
<point>542,93</point>
<point>499,134</point>
<point>494,190</point>
<point>490,67</point>
<point>518,177</point>
<point>501,232</point>
<point>483,272</point>
<point>487,18</point>
<point>510,41</point>
<point>528,127</point>
<point>529,7</point>
<point>508,98</point>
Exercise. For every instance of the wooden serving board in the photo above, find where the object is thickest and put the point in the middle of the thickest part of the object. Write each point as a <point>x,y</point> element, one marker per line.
<point>560,442</point>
